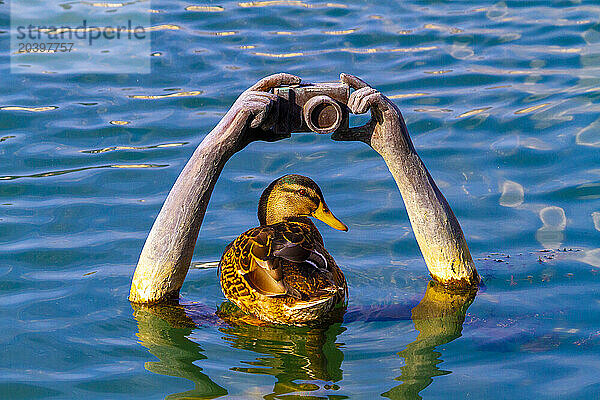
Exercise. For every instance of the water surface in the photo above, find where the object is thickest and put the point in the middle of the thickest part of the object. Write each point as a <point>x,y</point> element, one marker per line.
<point>501,100</point>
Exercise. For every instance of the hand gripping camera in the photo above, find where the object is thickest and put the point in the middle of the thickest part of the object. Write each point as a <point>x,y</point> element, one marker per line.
<point>317,107</point>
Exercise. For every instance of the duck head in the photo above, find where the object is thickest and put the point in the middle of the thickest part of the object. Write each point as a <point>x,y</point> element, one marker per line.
<point>293,196</point>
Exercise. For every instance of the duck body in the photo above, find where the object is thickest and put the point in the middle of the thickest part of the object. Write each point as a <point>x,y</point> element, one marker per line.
<point>280,272</point>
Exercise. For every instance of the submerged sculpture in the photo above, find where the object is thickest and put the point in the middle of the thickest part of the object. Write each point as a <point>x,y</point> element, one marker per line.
<point>304,353</point>
<point>167,253</point>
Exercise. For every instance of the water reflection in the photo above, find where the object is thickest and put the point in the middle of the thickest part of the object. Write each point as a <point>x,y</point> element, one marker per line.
<point>295,356</point>
<point>438,318</point>
<point>551,235</point>
<point>164,331</point>
<point>290,354</point>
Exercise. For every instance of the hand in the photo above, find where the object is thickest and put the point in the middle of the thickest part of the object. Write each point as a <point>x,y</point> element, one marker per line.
<point>385,130</point>
<point>257,108</point>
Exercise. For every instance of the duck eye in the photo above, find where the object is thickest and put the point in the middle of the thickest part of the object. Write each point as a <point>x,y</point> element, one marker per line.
<point>302,192</point>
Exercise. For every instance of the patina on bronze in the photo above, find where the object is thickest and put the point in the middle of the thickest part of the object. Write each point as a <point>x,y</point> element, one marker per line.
<point>168,250</point>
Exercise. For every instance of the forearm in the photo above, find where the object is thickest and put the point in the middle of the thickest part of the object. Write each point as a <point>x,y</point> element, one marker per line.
<point>436,228</point>
<point>167,253</point>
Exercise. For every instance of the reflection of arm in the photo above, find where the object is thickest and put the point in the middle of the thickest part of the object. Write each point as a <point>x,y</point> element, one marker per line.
<point>163,330</point>
<point>436,229</point>
<point>168,250</point>
<point>438,318</point>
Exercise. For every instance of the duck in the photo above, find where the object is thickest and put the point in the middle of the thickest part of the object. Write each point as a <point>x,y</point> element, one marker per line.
<point>280,271</point>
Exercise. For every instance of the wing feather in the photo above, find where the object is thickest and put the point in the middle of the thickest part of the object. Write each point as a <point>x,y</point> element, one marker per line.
<point>264,253</point>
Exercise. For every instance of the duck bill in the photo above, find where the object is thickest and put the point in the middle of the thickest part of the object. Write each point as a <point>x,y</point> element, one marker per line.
<point>322,213</point>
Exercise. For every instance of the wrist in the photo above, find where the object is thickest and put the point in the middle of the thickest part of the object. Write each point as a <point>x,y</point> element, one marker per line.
<point>229,132</point>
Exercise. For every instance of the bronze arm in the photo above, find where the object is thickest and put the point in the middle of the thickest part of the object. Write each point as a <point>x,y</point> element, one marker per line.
<point>437,230</point>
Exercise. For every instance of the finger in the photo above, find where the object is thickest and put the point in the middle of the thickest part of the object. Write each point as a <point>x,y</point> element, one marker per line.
<point>252,95</point>
<point>357,95</point>
<point>353,81</point>
<point>272,81</point>
<point>358,133</point>
<point>261,115</point>
<point>366,102</point>
<point>255,105</point>
<point>270,118</point>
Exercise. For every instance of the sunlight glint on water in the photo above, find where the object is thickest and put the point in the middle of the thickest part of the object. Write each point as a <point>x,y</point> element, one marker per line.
<point>501,100</point>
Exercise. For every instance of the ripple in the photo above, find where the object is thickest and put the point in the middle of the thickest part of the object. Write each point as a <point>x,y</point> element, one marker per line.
<point>204,265</point>
<point>407,95</point>
<point>473,112</point>
<point>32,109</point>
<point>383,50</point>
<point>442,28</point>
<point>498,87</point>
<point>532,109</point>
<point>205,8</point>
<point>295,3</point>
<point>499,71</point>
<point>341,32</point>
<point>218,33</point>
<point>551,235</point>
<point>163,27</point>
<point>347,50</point>
<point>164,96</point>
<point>280,55</point>
<point>69,171</point>
<point>440,72</point>
<point>512,194</point>
<point>433,110</point>
<point>106,5</point>
<point>596,220</point>
<point>590,135</point>
<point>30,296</point>
<point>116,148</point>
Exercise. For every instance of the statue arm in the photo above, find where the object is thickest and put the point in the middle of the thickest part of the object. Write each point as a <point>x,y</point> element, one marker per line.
<point>436,228</point>
<point>167,253</point>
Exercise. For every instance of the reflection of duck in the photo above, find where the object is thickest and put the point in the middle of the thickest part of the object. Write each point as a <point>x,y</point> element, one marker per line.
<point>291,354</point>
<point>280,271</point>
<point>296,357</point>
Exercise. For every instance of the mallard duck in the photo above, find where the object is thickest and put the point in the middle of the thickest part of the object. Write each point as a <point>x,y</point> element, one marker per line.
<point>280,271</point>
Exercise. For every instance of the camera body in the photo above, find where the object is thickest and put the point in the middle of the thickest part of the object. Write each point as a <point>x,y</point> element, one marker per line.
<point>317,107</point>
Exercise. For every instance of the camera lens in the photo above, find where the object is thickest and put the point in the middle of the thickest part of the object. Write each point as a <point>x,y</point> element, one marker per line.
<point>322,114</point>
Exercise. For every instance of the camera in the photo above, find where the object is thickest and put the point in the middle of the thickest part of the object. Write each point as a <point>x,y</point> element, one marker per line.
<point>317,107</point>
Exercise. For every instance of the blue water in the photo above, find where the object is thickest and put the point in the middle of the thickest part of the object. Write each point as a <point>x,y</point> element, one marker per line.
<point>502,102</point>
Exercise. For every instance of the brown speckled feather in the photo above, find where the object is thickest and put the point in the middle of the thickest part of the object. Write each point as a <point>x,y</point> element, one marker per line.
<point>282,273</point>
